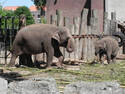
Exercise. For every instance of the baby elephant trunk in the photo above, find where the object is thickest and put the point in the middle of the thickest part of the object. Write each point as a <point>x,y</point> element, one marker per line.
<point>70,45</point>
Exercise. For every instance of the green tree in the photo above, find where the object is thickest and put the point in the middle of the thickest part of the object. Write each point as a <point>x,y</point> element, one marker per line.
<point>40,4</point>
<point>24,10</point>
<point>8,13</point>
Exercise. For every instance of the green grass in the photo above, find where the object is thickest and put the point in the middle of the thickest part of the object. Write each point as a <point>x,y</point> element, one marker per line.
<point>87,72</point>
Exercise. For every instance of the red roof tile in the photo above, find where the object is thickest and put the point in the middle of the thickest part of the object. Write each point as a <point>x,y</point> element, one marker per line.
<point>33,8</point>
<point>13,8</point>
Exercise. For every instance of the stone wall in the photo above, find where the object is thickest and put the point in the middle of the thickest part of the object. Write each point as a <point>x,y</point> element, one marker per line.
<point>48,86</point>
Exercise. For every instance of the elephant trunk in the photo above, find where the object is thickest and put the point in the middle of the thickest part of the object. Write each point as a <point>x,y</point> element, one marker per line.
<point>70,45</point>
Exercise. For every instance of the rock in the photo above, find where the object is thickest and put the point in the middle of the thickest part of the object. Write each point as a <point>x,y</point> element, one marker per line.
<point>34,86</point>
<point>94,88</point>
<point>3,86</point>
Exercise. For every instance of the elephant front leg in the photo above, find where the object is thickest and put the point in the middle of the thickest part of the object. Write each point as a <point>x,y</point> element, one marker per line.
<point>12,61</point>
<point>60,57</point>
<point>109,58</point>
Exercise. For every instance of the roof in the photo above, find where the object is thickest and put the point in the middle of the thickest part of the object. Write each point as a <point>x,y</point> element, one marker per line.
<point>13,8</point>
<point>33,8</point>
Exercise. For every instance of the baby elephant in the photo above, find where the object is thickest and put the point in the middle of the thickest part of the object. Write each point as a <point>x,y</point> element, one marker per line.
<point>39,38</point>
<point>107,46</point>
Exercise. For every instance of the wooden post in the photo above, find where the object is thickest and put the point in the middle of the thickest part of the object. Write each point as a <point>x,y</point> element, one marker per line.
<point>113,22</point>
<point>89,48</point>
<point>53,19</point>
<point>76,29</point>
<point>59,18</point>
<point>68,25</point>
<point>107,30</point>
<point>60,22</point>
<point>83,31</point>
<point>72,55</point>
<point>95,22</point>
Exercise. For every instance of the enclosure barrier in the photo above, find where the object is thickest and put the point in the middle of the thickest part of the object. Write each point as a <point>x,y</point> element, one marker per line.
<point>84,34</point>
<point>8,29</point>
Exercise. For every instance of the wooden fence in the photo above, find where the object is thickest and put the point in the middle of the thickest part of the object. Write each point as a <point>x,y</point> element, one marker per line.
<point>85,35</point>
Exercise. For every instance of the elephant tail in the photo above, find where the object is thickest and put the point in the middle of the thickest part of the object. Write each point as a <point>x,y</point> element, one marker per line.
<point>121,36</point>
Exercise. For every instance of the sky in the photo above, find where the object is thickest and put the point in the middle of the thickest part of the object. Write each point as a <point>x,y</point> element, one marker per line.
<point>27,3</point>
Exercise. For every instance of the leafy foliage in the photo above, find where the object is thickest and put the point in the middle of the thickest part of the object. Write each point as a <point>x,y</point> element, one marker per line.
<point>39,3</point>
<point>24,10</point>
<point>8,13</point>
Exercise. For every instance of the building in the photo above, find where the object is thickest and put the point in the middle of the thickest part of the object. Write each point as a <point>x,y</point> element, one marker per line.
<point>12,8</point>
<point>73,8</point>
<point>35,13</point>
<point>116,6</point>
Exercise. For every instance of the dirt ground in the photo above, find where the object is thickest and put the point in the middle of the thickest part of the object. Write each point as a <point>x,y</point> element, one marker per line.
<point>72,73</point>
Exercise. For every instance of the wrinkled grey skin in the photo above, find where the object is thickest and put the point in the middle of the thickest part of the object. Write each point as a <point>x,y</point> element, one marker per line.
<point>39,38</point>
<point>108,46</point>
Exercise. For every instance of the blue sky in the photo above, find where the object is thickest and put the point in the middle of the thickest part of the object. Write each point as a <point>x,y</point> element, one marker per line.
<point>27,3</point>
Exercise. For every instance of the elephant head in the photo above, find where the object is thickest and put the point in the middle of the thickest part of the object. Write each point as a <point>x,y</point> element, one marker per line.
<point>99,47</point>
<point>64,38</point>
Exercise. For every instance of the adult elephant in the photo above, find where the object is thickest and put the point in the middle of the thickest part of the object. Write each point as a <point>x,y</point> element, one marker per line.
<point>39,38</point>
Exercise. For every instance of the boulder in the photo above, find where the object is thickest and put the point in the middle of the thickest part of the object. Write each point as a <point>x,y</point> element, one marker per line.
<point>3,86</point>
<point>94,88</point>
<point>34,86</point>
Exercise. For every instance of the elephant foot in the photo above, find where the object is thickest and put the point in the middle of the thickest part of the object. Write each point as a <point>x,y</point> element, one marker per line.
<point>11,65</point>
<point>109,62</point>
<point>105,62</point>
<point>49,67</point>
<point>60,66</point>
<point>114,61</point>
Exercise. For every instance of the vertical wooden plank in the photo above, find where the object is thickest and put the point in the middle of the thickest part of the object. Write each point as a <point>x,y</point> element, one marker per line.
<point>89,44</point>
<point>83,31</point>
<point>92,48</point>
<point>94,22</point>
<point>60,22</point>
<point>113,24</point>
<point>83,26</point>
<point>106,24</point>
<point>68,25</point>
<point>77,25</point>
<point>76,29</point>
<point>59,18</point>
<point>53,19</point>
<point>72,55</point>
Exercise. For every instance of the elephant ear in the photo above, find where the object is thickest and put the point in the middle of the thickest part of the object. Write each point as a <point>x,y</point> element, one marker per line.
<point>56,37</point>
